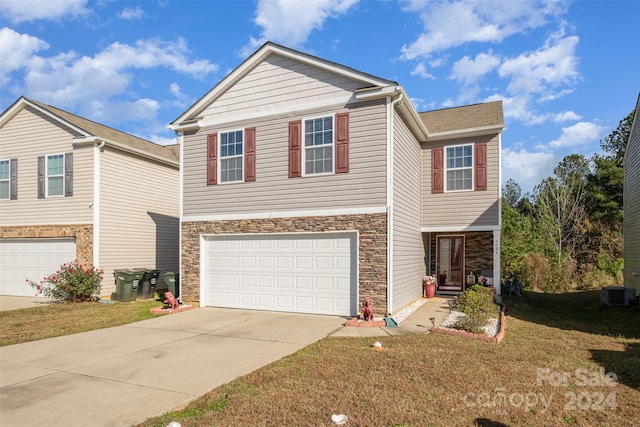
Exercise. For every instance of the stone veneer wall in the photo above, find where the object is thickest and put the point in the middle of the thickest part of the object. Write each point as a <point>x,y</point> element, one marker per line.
<point>478,250</point>
<point>83,233</point>
<point>372,247</point>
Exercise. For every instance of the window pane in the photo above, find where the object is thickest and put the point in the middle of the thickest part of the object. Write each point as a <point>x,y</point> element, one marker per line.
<point>4,189</point>
<point>318,131</point>
<point>55,165</point>
<point>4,169</point>
<point>55,186</point>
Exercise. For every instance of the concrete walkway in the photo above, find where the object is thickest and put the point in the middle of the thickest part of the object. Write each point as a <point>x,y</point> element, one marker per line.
<point>16,303</point>
<point>123,375</point>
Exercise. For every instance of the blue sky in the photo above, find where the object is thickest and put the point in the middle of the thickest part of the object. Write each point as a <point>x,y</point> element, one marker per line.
<point>567,71</point>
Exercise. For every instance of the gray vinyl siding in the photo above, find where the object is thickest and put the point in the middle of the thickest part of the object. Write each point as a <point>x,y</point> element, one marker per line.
<point>273,190</point>
<point>632,207</point>
<point>277,82</point>
<point>26,136</point>
<point>465,208</point>
<point>408,248</point>
<point>139,216</point>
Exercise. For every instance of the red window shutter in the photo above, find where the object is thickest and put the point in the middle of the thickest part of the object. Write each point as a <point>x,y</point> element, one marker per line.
<point>250,154</point>
<point>212,159</point>
<point>480,167</point>
<point>342,143</point>
<point>437,166</point>
<point>295,149</point>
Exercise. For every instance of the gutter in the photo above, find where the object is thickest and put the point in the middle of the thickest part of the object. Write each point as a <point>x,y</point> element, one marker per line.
<point>94,139</point>
<point>462,133</point>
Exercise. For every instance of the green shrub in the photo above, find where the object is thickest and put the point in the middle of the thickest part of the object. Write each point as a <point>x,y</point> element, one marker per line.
<point>477,301</point>
<point>72,283</point>
<point>473,323</point>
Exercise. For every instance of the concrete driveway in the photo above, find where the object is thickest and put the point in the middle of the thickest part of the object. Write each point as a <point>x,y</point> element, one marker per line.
<point>126,374</point>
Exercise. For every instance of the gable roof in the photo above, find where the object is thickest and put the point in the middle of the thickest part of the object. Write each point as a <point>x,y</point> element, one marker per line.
<point>468,120</point>
<point>270,48</point>
<point>90,131</point>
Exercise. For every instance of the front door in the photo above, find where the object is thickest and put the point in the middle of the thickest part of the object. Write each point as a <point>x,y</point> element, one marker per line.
<point>450,263</point>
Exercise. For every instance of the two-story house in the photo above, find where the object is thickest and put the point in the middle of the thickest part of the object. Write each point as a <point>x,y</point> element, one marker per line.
<point>72,189</point>
<point>308,186</point>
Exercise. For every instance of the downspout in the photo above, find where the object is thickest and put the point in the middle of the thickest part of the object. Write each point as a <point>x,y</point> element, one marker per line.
<point>390,118</point>
<point>180,137</point>
<point>98,148</point>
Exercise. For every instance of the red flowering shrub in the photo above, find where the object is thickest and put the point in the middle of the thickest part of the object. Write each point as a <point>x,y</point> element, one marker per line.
<point>73,282</point>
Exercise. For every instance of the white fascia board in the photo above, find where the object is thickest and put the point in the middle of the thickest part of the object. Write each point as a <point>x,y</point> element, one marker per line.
<point>286,214</point>
<point>456,229</point>
<point>465,133</point>
<point>123,147</point>
<point>22,102</point>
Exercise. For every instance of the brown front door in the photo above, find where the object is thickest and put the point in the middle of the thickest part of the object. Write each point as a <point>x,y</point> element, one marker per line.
<point>450,263</point>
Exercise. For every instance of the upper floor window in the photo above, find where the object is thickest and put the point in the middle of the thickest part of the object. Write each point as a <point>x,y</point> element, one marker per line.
<point>459,167</point>
<point>4,179</point>
<point>55,175</point>
<point>318,145</point>
<point>231,156</point>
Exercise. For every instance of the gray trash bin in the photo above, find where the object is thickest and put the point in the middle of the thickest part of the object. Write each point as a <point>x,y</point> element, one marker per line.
<point>127,282</point>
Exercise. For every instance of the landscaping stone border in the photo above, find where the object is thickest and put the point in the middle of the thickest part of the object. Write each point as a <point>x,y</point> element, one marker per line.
<point>471,335</point>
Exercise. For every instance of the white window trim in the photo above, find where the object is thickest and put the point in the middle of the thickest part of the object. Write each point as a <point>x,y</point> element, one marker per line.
<point>219,160</point>
<point>8,179</point>
<point>472,167</point>
<point>46,175</point>
<point>333,145</point>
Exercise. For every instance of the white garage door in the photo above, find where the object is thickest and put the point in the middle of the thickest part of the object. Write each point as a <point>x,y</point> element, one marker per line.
<point>309,273</point>
<point>33,259</point>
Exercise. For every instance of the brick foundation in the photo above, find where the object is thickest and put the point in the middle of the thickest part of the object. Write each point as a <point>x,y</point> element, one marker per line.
<point>83,233</point>
<point>372,247</point>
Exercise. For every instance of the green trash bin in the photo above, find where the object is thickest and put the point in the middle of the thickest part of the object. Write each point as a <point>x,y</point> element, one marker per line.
<point>127,282</point>
<point>172,281</point>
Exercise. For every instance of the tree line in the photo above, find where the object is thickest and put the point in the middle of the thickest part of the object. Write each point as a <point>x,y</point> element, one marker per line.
<point>567,234</point>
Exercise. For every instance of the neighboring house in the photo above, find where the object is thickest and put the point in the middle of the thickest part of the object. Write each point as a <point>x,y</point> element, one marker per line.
<point>632,205</point>
<point>72,189</point>
<point>309,186</point>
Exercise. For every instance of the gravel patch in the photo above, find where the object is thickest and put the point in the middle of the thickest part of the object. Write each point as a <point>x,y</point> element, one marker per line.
<point>490,329</point>
<point>400,316</point>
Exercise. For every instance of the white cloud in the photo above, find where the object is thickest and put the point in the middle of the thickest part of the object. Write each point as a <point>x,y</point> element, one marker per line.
<point>144,109</point>
<point>470,70</point>
<point>453,23</point>
<point>130,13</point>
<point>566,116</point>
<point>527,168</point>
<point>15,51</point>
<point>291,22</point>
<point>421,71</point>
<point>579,134</point>
<point>518,107</point>
<point>543,70</point>
<point>18,11</point>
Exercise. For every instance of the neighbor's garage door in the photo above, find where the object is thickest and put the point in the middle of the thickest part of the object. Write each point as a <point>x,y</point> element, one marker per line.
<point>33,259</point>
<point>310,273</point>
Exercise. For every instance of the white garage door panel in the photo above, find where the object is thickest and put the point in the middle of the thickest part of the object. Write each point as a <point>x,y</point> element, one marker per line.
<point>306,273</point>
<point>33,259</point>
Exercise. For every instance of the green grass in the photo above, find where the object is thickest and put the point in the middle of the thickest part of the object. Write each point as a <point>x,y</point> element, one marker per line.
<point>436,380</point>
<point>37,323</point>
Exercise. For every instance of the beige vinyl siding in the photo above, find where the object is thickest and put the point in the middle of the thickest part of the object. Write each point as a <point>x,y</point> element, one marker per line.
<point>31,134</point>
<point>408,248</point>
<point>273,190</point>
<point>139,221</point>
<point>632,207</point>
<point>277,82</point>
<point>465,208</point>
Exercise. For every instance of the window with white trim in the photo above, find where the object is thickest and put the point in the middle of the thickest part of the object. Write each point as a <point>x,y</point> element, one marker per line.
<point>318,145</point>
<point>55,175</point>
<point>5,179</point>
<point>459,168</point>
<point>231,156</point>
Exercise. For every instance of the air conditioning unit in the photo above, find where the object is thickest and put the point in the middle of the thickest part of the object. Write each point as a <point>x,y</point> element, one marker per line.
<point>617,295</point>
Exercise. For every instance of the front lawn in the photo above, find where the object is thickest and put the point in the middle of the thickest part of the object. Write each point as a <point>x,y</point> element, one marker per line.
<point>552,368</point>
<point>48,321</point>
